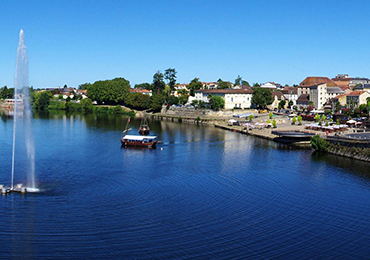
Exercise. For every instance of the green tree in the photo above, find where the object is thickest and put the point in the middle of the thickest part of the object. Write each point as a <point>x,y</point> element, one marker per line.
<point>282,103</point>
<point>84,86</point>
<point>245,83</point>
<point>109,92</point>
<point>6,92</point>
<point>42,100</point>
<point>194,85</point>
<point>217,103</point>
<point>156,102</point>
<point>319,144</point>
<point>170,76</point>
<point>256,85</point>
<point>138,101</point>
<point>87,105</point>
<point>158,83</point>
<point>261,97</point>
<point>290,103</point>
<point>223,84</point>
<point>238,81</point>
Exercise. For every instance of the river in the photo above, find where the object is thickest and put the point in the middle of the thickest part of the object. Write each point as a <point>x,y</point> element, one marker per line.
<point>204,193</point>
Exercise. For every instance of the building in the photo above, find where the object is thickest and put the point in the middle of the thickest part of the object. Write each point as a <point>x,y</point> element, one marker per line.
<point>355,98</point>
<point>234,98</point>
<point>311,81</point>
<point>290,94</point>
<point>356,81</point>
<point>142,91</point>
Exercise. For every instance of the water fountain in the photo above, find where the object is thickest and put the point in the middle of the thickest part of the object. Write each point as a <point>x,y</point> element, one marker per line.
<point>21,91</point>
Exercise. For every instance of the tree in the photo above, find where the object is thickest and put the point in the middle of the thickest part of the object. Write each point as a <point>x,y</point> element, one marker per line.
<point>245,83</point>
<point>156,102</point>
<point>194,85</point>
<point>109,92</point>
<point>217,102</point>
<point>238,81</point>
<point>261,97</point>
<point>138,101</point>
<point>42,100</point>
<point>87,105</point>
<point>282,103</point>
<point>170,76</point>
<point>256,85</point>
<point>158,83</point>
<point>223,84</point>
<point>6,92</point>
<point>290,103</point>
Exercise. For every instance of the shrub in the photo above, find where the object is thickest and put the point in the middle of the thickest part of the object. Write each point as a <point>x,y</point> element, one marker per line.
<point>319,144</point>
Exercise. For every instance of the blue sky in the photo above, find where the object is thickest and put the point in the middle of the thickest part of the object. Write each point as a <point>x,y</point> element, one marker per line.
<point>73,42</point>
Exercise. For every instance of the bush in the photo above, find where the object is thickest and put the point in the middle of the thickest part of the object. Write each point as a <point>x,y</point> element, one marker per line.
<point>319,144</point>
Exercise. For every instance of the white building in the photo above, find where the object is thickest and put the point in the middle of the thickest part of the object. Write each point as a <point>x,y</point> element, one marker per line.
<point>240,98</point>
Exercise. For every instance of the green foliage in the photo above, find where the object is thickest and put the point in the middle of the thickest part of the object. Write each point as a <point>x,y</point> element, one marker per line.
<point>223,84</point>
<point>6,92</point>
<point>271,115</point>
<point>217,103</point>
<point>42,100</point>
<point>290,103</point>
<point>274,123</point>
<point>60,96</point>
<point>170,76</point>
<point>268,121</point>
<point>282,103</point>
<point>172,100</point>
<point>137,101</point>
<point>194,85</point>
<point>261,97</point>
<point>299,118</point>
<point>294,120</point>
<point>179,119</point>
<point>109,92</point>
<point>238,81</point>
<point>84,86</point>
<point>87,105</point>
<point>337,123</point>
<point>250,117</point>
<point>317,117</point>
<point>319,144</point>
<point>158,83</point>
<point>156,102</point>
<point>57,105</point>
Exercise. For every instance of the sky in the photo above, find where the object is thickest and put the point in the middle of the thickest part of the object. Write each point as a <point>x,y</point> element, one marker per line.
<point>75,42</point>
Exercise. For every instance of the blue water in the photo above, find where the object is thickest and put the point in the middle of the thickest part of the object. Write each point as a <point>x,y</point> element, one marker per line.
<point>204,193</point>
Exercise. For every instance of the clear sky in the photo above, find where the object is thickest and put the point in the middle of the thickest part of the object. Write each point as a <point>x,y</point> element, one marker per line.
<point>73,42</point>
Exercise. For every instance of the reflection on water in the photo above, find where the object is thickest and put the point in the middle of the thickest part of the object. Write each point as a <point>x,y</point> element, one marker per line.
<point>203,193</point>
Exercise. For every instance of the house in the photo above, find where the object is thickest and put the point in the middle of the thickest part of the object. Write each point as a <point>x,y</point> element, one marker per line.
<point>269,85</point>
<point>310,81</point>
<point>240,98</point>
<point>142,91</point>
<point>362,87</point>
<point>277,97</point>
<point>290,94</point>
<point>210,85</point>
<point>355,98</point>
<point>342,80</point>
<point>303,100</point>
<point>356,81</point>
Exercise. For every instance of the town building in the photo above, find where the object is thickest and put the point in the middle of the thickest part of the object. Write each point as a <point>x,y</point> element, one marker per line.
<point>234,98</point>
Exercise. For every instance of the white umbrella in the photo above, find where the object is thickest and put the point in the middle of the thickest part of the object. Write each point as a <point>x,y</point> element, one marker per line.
<point>351,121</point>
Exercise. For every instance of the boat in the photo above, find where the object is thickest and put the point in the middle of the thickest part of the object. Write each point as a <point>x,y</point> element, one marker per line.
<point>144,127</point>
<point>139,141</point>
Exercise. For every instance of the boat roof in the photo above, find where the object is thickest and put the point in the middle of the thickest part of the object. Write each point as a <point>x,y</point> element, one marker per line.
<point>138,137</point>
